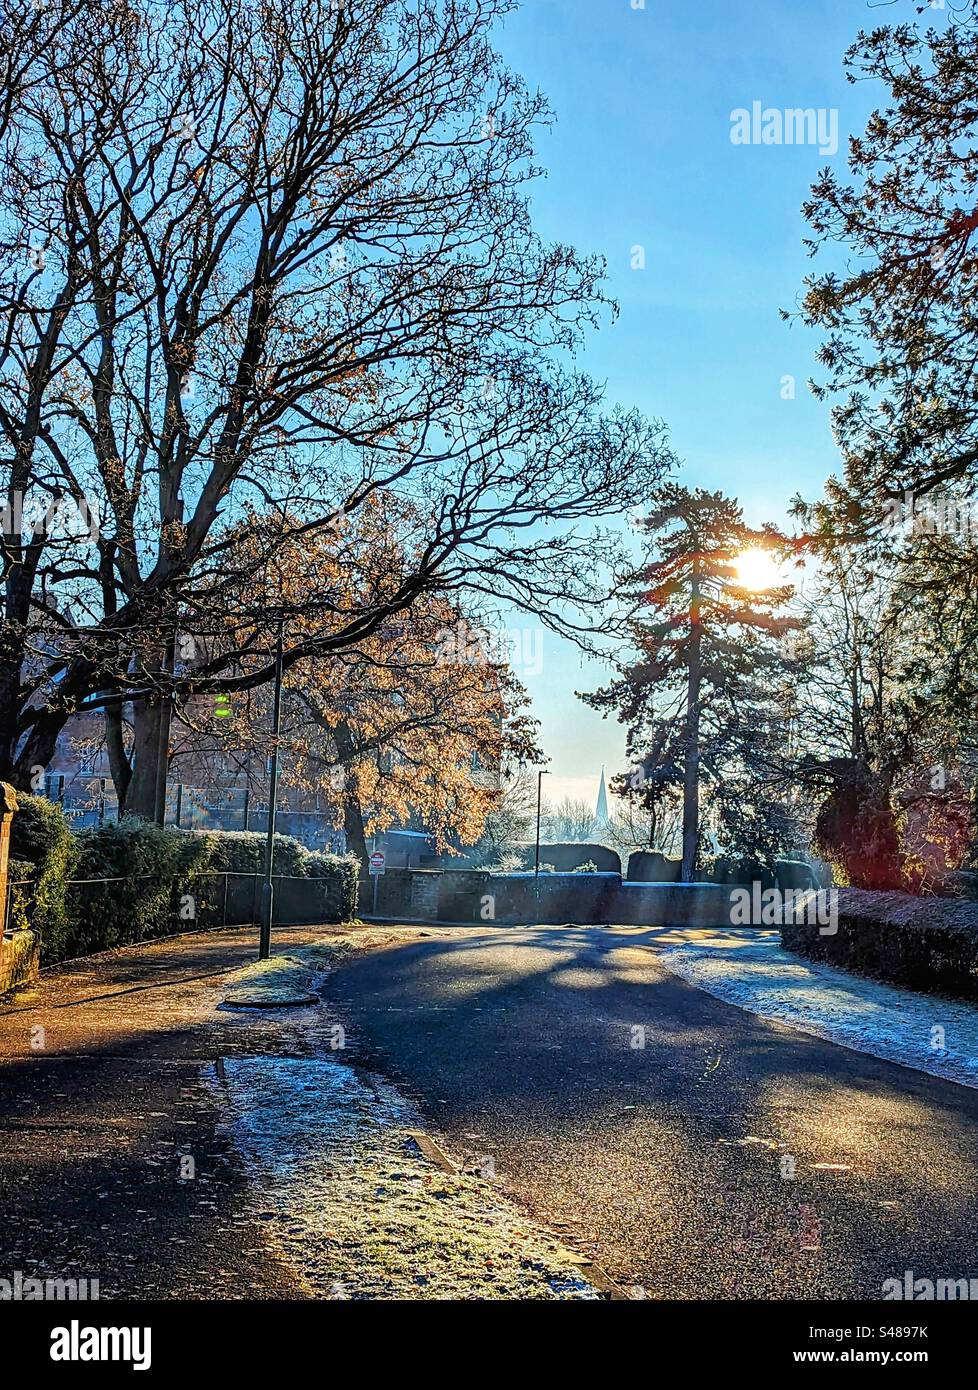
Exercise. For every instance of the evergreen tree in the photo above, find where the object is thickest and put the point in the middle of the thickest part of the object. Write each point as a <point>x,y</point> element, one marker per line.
<point>704,702</point>
<point>895,298</point>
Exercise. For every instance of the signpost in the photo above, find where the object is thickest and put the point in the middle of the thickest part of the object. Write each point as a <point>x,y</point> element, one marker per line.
<point>376,866</point>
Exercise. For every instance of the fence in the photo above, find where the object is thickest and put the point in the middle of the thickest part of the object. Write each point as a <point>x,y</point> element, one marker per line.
<point>196,901</point>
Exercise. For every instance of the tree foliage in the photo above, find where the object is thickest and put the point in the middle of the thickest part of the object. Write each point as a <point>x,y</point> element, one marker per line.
<point>898,316</point>
<point>703,700</point>
<point>421,722</point>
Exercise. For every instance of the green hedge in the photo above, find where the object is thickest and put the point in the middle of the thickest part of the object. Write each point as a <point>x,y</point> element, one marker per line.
<point>20,874</point>
<point>147,866</point>
<point>157,878</point>
<point>44,851</point>
<point>243,852</point>
<point>336,876</point>
<point>928,944</point>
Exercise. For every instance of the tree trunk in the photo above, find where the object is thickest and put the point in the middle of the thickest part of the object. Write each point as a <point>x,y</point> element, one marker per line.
<point>691,768</point>
<point>10,707</point>
<point>146,792</point>
<point>35,756</point>
<point>855,737</point>
<point>356,842</point>
<point>141,793</point>
<point>119,765</point>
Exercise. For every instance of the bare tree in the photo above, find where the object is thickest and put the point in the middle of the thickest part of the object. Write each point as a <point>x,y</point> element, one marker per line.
<point>276,259</point>
<point>511,822</point>
<point>571,819</point>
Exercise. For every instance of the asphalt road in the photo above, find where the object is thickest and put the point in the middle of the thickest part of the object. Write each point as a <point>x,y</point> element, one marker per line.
<point>670,1162</point>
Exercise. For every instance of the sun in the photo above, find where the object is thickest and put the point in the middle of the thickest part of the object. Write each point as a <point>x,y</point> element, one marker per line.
<point>758,570</point>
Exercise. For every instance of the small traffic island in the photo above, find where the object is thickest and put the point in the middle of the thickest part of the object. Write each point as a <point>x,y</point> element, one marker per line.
<point>278,983</point>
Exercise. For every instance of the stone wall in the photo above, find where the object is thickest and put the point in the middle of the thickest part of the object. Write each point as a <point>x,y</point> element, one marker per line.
<point>20,959</point>
<point>478,896</point>
<point>424,893</point>
<point>20,951</point>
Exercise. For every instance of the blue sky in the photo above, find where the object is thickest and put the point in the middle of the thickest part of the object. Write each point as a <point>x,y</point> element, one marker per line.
<point>641,154</point>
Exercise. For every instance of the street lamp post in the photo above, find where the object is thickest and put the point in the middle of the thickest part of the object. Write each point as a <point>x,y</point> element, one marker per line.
<point>540,776</point>
<point>166,707</point>
<point>268,890</point>
<point>166,722</point>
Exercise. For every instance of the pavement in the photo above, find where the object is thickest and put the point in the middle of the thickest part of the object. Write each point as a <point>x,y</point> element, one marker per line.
<point>113,1161</point>
<point>687,1147</point>
<point>171,1131</point>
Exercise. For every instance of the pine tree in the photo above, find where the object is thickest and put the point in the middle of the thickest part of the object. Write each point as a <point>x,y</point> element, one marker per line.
<point>704,700</point>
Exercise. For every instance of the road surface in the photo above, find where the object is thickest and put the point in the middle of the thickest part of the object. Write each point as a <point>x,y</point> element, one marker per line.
<point>693,1149</point>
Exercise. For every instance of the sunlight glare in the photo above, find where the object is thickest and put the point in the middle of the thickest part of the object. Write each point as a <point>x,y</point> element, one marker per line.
<point>758,570</point>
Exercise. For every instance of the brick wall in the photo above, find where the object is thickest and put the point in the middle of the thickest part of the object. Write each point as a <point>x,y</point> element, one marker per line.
<point>424,893</point>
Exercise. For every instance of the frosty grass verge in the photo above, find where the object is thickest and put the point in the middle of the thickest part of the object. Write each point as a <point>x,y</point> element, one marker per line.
<point>352,1204</point>
<point>932,1034</point>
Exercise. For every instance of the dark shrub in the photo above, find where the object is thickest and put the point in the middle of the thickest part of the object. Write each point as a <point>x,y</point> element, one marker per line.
<point>566,855</point>
<point>20,875</point>
<point>132,880</point>
<point>929,944</point>
<point>856,830</point>
<point>243,852</point>
<point>793,874</point>
<point>962,883</point>
<point>652,866</point>
<point>342,875</point>
<point>45,851</point>
<point>743,872</point>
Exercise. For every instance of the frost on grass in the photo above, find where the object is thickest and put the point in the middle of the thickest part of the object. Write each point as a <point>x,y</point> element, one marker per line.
<point>930,1033</point>
<point>281,980</point>
<point>356,1209</point>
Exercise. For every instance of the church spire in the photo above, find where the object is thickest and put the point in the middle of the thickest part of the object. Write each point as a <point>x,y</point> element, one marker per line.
<point>601,817</point>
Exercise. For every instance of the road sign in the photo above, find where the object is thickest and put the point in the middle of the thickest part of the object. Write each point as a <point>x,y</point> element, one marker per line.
<point>377,862</point>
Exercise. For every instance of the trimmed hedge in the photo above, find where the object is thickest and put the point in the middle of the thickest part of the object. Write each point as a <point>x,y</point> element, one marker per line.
<point>156,885</point>
<point>243,852</point>
<point>928,944</point>
<point>740,872</point>
<point>20,873</point>
<point>148,865</point>
<point>567,855</point>
<point>652,866</point>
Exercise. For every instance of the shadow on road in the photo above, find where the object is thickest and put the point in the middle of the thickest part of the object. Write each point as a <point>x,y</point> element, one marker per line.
<point>698,1150</point>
